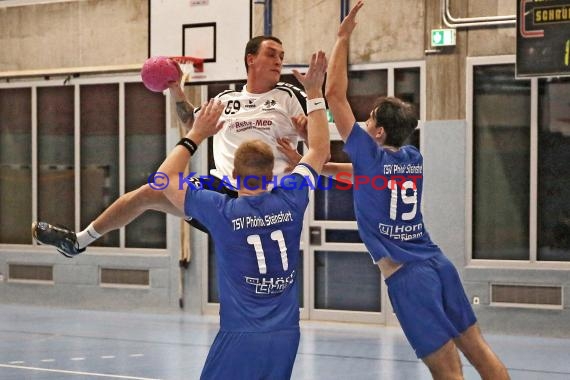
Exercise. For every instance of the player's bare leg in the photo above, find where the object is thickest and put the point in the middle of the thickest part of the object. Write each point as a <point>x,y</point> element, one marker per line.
<point>445,364</point>
<point>479,353</point>
<point>120,213</point>
<point>132,204</point>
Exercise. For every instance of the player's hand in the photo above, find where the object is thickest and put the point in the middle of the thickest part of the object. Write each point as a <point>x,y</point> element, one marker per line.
<point>314,78</point>
<point>349,23</point>
<point>293,157</point>
<point>175,87</point>
<point>180,73</point>
<point>207,123</point>
<point>300,124</point>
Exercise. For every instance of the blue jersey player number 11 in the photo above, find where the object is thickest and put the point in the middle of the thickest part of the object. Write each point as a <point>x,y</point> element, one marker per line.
<point>277,236</point>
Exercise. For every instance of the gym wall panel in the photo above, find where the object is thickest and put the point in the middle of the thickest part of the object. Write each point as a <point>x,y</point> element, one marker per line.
<point>388,31</point>
<point>496,40</point>
<point>305,26</point>
<point>444,186</point>
<point>73,34</point>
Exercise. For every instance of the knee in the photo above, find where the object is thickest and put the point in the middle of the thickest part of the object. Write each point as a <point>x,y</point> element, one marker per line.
<point>147,196</point>
<point>445,363</point>
<point>482,357</point>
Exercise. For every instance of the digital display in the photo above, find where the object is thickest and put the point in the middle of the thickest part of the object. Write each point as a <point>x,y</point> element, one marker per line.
<point>543,38</point>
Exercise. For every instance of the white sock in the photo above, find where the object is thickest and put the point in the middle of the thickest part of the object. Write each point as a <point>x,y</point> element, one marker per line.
<point>87,236</point>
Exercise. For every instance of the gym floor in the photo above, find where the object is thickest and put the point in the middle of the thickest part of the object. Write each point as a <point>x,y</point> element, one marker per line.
<point>49,343</point>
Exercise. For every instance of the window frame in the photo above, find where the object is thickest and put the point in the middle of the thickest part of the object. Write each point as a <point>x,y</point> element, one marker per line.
<point>121,79</point>
<point>532,262</point>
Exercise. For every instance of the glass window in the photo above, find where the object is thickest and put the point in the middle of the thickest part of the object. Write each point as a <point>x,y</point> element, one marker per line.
<point>364,89</point>
<point>334,202</point>
<point>145,114</point>
<point>342,236</point>
<point>300,282</point>
<point>56,176</point>
<point>99,154</point>
<point>407,88</point>
<point>213,293</point>
<point>346,281</point>
<point>217,88</point>
<point>15,165</point>
<point>501,164</point>
<point>553,169</point>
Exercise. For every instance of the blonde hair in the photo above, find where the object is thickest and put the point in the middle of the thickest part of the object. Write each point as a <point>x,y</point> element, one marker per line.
<point>253,162</point>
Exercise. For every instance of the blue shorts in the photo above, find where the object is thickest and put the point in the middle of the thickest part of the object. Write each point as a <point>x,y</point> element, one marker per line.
<point>430,303</point>
<point>252,356</point>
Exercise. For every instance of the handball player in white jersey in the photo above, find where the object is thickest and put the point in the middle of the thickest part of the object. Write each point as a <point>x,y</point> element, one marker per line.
<point>262,110</point>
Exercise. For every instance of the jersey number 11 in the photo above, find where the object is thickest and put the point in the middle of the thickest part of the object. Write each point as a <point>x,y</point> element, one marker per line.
<point>277,236</point>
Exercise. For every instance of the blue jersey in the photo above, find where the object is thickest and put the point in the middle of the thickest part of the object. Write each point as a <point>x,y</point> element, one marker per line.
<point>257,242</point>
<point>387,199</point>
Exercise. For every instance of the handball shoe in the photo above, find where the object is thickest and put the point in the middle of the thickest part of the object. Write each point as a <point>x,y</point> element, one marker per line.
<point>58,236</point>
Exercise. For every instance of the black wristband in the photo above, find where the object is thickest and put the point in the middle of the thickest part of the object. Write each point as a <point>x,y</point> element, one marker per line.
<point>188,144</point>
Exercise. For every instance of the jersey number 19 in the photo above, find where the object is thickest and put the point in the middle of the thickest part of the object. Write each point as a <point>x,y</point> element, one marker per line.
<point>406,199</point>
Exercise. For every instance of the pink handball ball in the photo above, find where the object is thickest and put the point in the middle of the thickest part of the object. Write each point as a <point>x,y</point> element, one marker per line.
<point>157,72</point>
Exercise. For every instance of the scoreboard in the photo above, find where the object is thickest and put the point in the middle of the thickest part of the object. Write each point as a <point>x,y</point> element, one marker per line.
<point>543,38</point>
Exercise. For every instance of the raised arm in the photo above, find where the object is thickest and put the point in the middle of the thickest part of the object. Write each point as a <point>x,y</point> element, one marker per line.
<point>206,124</point>
<point>318,138</point>
<point>337,79</point>
<point>184,109</point>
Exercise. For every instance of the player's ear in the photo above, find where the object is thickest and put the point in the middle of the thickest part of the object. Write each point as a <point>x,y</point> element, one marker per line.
<point>234,175</point>
<point>250,59</point>
<point>379,132</point>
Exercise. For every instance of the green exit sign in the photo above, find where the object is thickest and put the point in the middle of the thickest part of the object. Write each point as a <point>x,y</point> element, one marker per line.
<point>442,37</point>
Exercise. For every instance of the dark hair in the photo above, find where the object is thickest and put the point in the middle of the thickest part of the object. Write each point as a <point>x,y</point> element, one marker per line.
<point>253,45</point>
<point>397,118</point>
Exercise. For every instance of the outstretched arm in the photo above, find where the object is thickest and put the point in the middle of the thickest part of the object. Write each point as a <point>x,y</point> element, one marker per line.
<point>337,80</point>
<point>318,138</point>
<point>206,124</point>
<point>184,109</point>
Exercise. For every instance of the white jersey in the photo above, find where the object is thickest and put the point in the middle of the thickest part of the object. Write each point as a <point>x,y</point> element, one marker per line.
<point>250,116</point>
